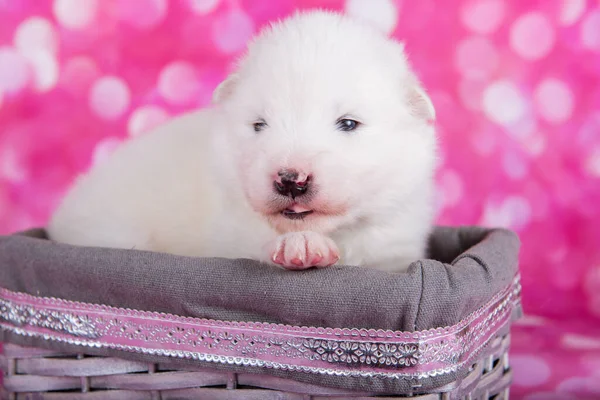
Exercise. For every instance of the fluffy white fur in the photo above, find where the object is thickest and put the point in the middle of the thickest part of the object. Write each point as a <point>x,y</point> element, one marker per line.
<point>202,184</point>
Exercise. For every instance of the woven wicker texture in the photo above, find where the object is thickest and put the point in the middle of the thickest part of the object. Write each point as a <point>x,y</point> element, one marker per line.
<point>31,373</point>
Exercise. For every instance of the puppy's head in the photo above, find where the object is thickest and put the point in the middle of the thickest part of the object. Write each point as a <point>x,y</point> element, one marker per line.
<point>328,124</point>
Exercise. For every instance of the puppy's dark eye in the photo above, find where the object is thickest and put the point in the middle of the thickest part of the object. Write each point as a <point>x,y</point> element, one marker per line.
<point>259,125</point>
<point>347,124</point>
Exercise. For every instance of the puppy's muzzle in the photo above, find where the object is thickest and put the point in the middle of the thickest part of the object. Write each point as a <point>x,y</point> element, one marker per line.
<point>291,183</point>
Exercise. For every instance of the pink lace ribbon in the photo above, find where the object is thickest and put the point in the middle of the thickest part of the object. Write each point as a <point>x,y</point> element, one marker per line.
<point>345,352</point>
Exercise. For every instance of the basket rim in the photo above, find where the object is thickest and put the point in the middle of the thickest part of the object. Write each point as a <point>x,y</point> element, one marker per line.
<point>469,266</point>
<point>324,351</point>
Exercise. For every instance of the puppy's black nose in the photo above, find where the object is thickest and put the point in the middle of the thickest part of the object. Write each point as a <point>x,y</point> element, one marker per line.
<point>291,183</point>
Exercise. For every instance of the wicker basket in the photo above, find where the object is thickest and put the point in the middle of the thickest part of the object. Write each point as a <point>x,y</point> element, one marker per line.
<point>59,348</point>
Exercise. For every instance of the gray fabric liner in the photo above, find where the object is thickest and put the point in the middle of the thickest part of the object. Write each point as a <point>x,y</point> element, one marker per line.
<point>465,268</point>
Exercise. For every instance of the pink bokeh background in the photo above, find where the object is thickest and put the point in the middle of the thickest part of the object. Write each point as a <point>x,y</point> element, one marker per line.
<point>516,85</point>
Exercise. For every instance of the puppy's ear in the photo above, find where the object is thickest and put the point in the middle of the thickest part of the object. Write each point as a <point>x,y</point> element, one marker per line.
<point>420,103</point>
<point>224,88</point>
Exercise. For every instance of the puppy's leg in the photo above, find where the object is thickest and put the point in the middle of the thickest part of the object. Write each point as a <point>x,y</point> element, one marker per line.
<point>302,250</point>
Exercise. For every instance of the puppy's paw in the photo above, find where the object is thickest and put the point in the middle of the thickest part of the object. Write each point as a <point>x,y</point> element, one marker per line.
<point>302,250</point>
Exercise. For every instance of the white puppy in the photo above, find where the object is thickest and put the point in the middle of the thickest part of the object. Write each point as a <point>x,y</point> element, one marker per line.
<point>319,148</point>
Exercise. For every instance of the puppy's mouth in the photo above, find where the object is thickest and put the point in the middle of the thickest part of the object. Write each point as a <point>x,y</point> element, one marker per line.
<point>293,215</point>
<point>296,212</point>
